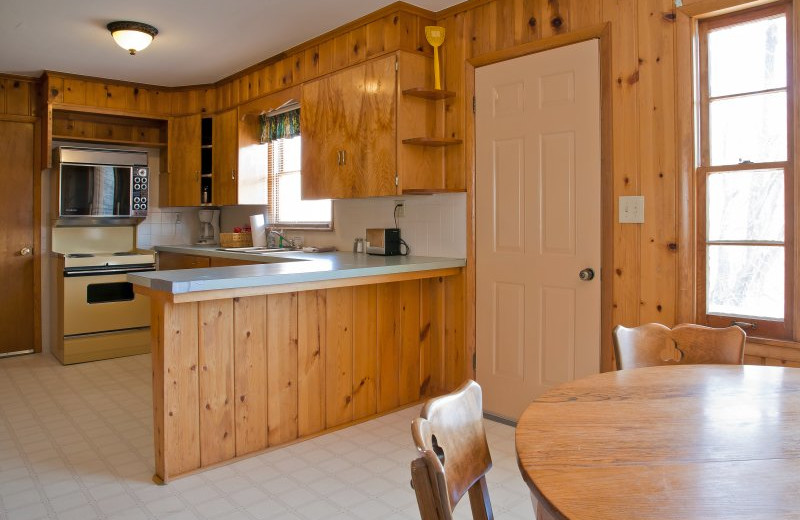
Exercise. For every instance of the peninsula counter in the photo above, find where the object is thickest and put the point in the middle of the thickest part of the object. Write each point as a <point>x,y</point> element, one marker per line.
<point>250,357</point>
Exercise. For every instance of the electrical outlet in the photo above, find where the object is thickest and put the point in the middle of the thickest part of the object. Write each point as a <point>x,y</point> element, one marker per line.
<point>178,217</point>
<point>400,208</point>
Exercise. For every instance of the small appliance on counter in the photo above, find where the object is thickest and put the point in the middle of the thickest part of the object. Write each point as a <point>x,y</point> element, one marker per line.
<point>383,241</point>
<point>209,227</point>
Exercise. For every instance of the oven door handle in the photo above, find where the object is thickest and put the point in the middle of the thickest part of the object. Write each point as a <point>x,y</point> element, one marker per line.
<point>99,272</point>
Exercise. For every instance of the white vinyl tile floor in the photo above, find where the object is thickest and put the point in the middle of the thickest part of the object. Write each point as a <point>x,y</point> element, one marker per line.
<point>76,443</point>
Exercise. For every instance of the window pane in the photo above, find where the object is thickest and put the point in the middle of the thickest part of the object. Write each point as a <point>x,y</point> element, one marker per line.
<point>749,128</point>
<point>745,281</point>
<point>745,205</point>
<point>291,154</point>
<point>747,57</point>
<point>291,209</point>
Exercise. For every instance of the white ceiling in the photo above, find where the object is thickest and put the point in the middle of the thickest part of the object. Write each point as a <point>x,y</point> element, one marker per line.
<point>199,41</point>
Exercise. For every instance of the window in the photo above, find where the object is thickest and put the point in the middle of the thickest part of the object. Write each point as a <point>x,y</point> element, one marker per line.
<point>287,210</point>
<point>744,179</point>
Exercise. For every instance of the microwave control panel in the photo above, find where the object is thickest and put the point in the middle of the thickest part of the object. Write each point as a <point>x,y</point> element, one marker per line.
<point>139,197</point>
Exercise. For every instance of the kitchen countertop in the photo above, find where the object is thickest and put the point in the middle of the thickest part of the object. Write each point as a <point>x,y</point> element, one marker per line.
<point>298,267</point>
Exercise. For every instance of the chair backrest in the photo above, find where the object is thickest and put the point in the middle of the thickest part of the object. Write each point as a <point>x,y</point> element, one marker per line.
<point>450,437</point>
<point>654,344</point>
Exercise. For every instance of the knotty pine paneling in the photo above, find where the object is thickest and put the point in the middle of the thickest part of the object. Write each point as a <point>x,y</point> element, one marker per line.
<point>233,376</point>
<point>215,378</point>
<point>17,96</point>
<point>644,133</point>
<point>250,373</point>
<point>282,367</point>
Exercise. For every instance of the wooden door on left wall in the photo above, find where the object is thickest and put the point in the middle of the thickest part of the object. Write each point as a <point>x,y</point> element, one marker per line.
<point>17,299</point>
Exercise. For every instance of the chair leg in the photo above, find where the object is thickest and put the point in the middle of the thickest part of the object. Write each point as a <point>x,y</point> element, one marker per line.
<point>421,482</point>
<point>479,501</point>
<point>539,513</point>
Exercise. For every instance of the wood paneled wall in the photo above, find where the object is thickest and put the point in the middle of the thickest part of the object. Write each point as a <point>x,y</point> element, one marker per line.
<point>18,96</point>
<point>232,376</point>
<point>642,66</point>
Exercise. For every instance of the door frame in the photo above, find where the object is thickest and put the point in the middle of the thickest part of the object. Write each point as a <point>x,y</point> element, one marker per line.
<point>602,33</point>
<point>36,208</point>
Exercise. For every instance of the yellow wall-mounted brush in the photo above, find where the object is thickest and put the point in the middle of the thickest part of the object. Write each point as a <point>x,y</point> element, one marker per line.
<point>435,36</point>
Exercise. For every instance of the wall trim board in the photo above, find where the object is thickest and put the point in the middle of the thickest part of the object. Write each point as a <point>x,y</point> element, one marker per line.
<point>602,33</point>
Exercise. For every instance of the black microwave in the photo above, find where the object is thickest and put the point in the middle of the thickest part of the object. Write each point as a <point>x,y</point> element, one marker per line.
<point>101,183</point>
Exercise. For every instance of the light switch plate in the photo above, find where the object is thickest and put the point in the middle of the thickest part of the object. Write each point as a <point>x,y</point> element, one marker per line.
<point>631,210</point>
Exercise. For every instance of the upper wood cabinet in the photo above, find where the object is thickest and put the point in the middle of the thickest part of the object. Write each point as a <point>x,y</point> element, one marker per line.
<point>240,160</point>
<point>354,123</point>
<point>225,158</point>
<point>179,185</point>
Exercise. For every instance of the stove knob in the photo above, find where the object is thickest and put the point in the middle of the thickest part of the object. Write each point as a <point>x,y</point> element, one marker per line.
<point>135,206</point>
<point>144,180</point>
<point>141,172</point>
<point>136,199</point>
<point>137,187</point>
<point>144,200</point>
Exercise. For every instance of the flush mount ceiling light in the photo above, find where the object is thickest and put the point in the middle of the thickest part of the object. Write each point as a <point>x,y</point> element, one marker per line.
<point>132,36</point>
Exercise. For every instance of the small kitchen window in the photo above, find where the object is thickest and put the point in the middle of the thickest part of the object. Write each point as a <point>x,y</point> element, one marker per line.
<point>745,208</point>
<point>287,209</point>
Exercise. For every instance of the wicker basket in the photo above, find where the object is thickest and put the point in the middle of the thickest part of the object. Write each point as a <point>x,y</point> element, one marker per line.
<point>236,239</point>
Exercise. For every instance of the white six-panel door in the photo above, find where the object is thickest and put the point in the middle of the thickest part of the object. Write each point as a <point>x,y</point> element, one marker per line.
<point>537,198</point>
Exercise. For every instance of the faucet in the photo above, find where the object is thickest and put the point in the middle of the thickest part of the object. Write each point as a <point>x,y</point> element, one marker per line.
<point>281,238</point>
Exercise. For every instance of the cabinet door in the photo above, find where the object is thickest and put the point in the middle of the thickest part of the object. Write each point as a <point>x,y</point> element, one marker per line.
<point>225,159</point>
<point>347,122</point>
<point>378,131</point>
<point>169,261</point>
<point>183,187</point>
<point>320,144</point>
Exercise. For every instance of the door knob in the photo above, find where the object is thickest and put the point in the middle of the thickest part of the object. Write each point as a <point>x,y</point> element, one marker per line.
<point>586,274</point>
<point>25,251</point>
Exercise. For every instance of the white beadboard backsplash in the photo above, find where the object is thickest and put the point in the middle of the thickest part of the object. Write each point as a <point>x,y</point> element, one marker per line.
<point>433,225</point>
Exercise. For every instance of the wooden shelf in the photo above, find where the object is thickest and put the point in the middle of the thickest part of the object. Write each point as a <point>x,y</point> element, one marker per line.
<point>432,141</point>
<point>429,93</point>
<point>101,140</point>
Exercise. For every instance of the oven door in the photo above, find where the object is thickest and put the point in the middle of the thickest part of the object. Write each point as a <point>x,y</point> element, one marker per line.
<point>89,190</point>
<point>102,303</point>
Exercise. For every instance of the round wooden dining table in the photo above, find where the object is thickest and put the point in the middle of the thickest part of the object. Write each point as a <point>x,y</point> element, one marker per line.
<point>682,442</point>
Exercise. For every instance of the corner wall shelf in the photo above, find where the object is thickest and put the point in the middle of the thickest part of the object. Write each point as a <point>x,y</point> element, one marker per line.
<point>429,93</point>
<point>432,141</point>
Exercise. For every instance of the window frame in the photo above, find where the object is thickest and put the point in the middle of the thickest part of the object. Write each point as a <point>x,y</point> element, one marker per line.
<point>765,328</point>
<point>272,193</point>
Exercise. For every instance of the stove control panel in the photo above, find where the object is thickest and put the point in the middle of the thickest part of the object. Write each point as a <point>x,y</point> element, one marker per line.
<point>139,192</point>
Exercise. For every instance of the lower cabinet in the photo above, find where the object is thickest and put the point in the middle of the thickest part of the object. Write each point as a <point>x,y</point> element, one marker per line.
<point>171,261</point>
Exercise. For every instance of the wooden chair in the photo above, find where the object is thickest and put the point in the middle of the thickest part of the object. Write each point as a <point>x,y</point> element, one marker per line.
<point>654,344</point>
<point>454,456</point>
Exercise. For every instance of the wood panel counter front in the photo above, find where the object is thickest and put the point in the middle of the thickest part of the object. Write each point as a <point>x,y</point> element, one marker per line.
<point>236,374</point>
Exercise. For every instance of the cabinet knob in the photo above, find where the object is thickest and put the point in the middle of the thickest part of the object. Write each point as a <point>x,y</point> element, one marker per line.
<point>25,251</point>
<point>233,174</point>
<point>344,156</point>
